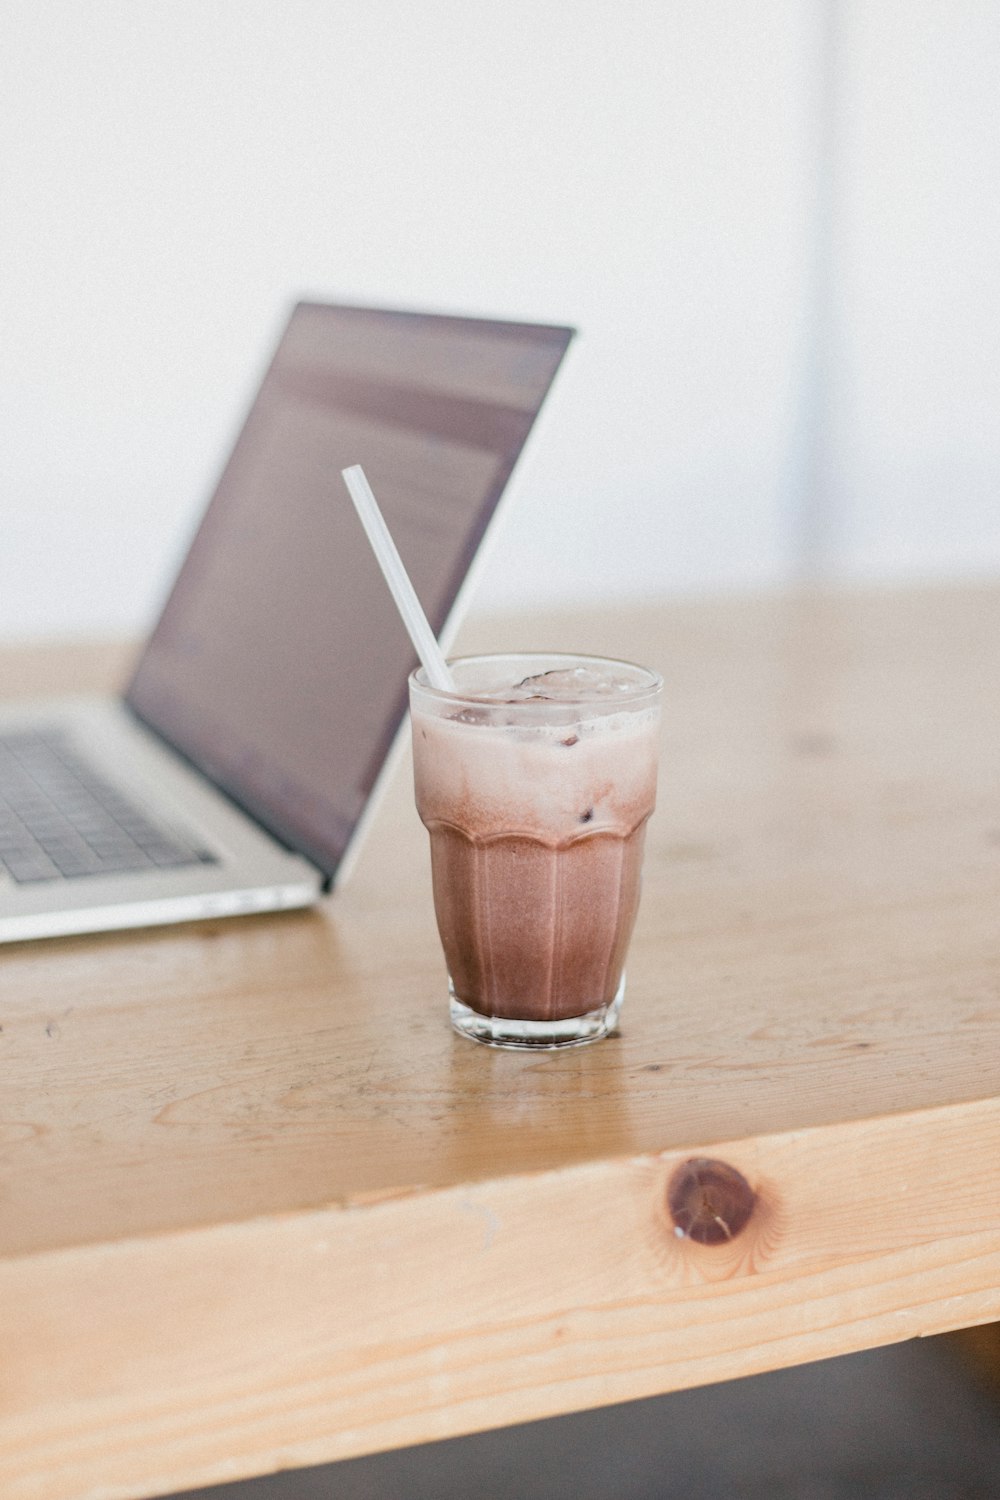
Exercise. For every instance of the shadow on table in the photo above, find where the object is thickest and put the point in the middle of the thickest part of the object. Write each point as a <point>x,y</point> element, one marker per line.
<point>909,1422</point>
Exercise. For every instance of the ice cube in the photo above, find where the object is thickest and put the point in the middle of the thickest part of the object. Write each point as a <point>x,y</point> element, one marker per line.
<point>568,684</point>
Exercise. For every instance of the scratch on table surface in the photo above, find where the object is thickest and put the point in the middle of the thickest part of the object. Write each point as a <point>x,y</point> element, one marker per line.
<point>491,1223</point>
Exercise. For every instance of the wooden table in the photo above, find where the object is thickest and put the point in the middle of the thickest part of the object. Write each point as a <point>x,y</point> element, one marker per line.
<point>260,1208</point>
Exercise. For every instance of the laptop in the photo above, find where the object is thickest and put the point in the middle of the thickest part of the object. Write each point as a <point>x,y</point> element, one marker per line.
<point>239,766</point>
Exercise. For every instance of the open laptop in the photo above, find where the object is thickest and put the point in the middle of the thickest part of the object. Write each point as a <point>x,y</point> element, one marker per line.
<point>235,771</point>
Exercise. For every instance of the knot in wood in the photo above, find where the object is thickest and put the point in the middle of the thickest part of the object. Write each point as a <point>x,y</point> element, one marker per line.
<point>709,1201</point>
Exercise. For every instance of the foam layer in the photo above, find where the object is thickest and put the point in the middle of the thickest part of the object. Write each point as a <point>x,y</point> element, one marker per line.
<point>553,782</point>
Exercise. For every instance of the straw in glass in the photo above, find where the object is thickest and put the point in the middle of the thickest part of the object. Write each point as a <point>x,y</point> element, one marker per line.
<point>396,576</point>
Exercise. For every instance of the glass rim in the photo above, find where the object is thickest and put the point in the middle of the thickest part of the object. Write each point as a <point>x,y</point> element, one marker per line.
<point>647,686</point>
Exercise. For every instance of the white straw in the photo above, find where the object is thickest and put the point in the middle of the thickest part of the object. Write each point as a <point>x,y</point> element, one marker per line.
<point>398,580</point>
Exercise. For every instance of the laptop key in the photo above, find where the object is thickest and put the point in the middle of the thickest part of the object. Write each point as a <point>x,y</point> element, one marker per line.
<point>26,870</point>
<point>71,862</point>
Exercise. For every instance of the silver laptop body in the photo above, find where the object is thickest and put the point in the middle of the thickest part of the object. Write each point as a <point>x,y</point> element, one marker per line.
<point>238,769</point>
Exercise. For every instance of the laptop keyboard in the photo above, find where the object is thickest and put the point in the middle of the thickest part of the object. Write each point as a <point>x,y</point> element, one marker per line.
<point>61,819</point>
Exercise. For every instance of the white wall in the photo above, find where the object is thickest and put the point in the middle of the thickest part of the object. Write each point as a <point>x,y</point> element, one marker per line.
<point>775,223</point>
<point>916,384</point>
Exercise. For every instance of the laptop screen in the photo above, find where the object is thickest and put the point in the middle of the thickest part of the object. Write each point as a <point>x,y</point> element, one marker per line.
<point>279,664</point>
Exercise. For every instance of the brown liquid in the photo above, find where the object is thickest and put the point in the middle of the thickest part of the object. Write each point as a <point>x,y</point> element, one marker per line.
<point>533,932</point>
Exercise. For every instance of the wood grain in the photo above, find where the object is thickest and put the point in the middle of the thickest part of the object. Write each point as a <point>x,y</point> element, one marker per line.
<point>259,1207</point>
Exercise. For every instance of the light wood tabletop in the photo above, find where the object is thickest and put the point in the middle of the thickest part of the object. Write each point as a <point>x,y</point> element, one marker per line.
<point>260,1208</point>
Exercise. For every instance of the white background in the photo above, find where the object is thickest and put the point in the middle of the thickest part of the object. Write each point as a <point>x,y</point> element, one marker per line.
<point>777,225</point>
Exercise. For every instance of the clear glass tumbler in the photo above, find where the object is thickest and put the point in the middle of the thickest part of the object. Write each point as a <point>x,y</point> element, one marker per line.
<point>535,779</point>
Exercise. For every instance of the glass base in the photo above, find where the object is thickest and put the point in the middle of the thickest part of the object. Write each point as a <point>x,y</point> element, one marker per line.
<point>571,1031</point>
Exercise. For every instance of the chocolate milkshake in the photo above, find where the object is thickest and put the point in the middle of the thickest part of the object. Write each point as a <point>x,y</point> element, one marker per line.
<point>535,779</point>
